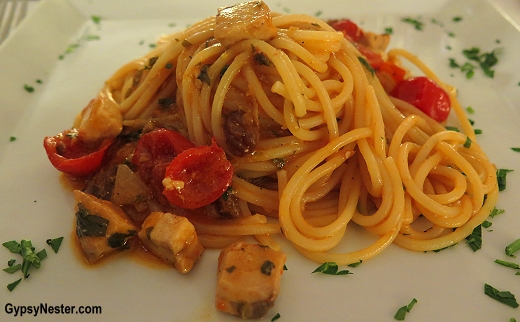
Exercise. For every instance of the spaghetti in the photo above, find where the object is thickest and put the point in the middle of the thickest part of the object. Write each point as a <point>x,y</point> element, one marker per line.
<point>333,147</point>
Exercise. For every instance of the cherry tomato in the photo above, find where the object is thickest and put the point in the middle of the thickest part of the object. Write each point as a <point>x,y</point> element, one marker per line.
<point>197,177</point>
<point>390,75</point>
<point>348,28</point>
<point>426,95</point>
<point>69,154</point>
<point>156,147</point>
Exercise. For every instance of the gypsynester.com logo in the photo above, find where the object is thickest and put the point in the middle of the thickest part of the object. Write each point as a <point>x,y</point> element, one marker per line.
<point>45,308</point>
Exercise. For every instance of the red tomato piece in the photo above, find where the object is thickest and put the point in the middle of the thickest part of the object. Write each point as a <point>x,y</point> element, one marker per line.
<point>69,154</point>
<point>158,146</point>
<point>390,75</point>
<point>348,28</point>
<point>197,177</point>
<point>426,95</point>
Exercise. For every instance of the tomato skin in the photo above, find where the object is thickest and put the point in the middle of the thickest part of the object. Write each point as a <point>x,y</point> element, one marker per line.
<point>158,146</point>
<point>348,28</point>
<point>69,154</point>
<point>426,95</point>
<point>205,173</point>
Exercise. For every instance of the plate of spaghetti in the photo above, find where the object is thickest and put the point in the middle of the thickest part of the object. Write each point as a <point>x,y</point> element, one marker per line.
<point>261,160</point>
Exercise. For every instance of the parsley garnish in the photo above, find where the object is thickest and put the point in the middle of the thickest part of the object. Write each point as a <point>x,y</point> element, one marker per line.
<point>276,317</point>
<point>418,25</point>
<point>28,88</point>
<point>356,264</point>
<point>367,65</point>
<point>501,178</point>
<point>505,297</point>
<point>55,243</point>
<point>457,19</point>
<point>495,212</point>
<point>330,268</point>
<point>401,313</point>
<point>12,138</point>
<point>389,30</point>
<point>474,240</point>
<point>467,144</point>
<point>203,76</point>
<point>507,264</point>
<point>512,248</point>
<point>96,19</point>
<point>516,149</point>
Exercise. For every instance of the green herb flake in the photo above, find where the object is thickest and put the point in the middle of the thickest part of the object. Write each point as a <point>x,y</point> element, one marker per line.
<point>418,25</point>
<point>486,224</point>
<point>474,240</point>
<point>456,19</point>
<point>400,315</point>
<point>507,264</point>
<point>452,128</point>
<point>495,212</point>
<point>28,88</point>
<point>367,65</point>
<point>505,297</point>
<point>12,138</point>
<point>478,131</point>
<point>318,13</point>
<point>276,317</point>
<point>13,269</point>
<point>96,19</point>
<point>389,30</point>
<point>92,37</point>
<point>467,144</point>
<point>13,246</point>
<point>168,66</point>
<point>356,264</point>
<point>267,267</point>
<point>55,243</point>
<point>512,248</point>
<point>330,268</point>
<point>501,178</point>
<point>470,110</point>
<point>185,43</point>
<point>203,75</point>
<point>516,149</point>
<point>12,285</point>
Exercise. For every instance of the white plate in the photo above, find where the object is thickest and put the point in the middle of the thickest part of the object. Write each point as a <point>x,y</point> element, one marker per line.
<point>448,285</point>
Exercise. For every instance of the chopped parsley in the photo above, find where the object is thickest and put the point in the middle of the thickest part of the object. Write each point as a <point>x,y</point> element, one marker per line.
<point>516,149</point>
<point>389,30</point>
<point>96,19</point>
<point>495,212</point>
<point>501,178</point>
<point>203,75</point>
<point>55,243</point>
<point>28,88</point>
<point>12,138</point>
<point>416,23</point>
<point>356,264</point>
<point>470,110</point>
<point>276,317</point>
<point>467,144</point>
<point>474,240</point>
<point>485,60</point>
<point>512,248</point>
<point>505,297</point>
<point>507,264</point>
<point>367,65</point>
<point>456,19</point>
<point>400,315</point>
<point>330,268</point>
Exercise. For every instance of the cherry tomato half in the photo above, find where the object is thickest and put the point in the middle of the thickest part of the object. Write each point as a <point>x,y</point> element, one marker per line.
<point>156,147</point>
<point>348,28</point>
<point>197,177</point>
<point>69,154</point>
<point>426,95</point>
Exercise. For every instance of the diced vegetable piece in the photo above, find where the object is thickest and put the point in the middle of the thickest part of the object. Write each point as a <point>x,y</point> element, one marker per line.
<point>102,227</point>
<point>172,238</point>
<point>248,279</point>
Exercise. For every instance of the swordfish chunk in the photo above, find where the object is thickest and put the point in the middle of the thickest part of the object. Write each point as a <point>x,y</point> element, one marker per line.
<point>248,279</point>
<point>172,238</point>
